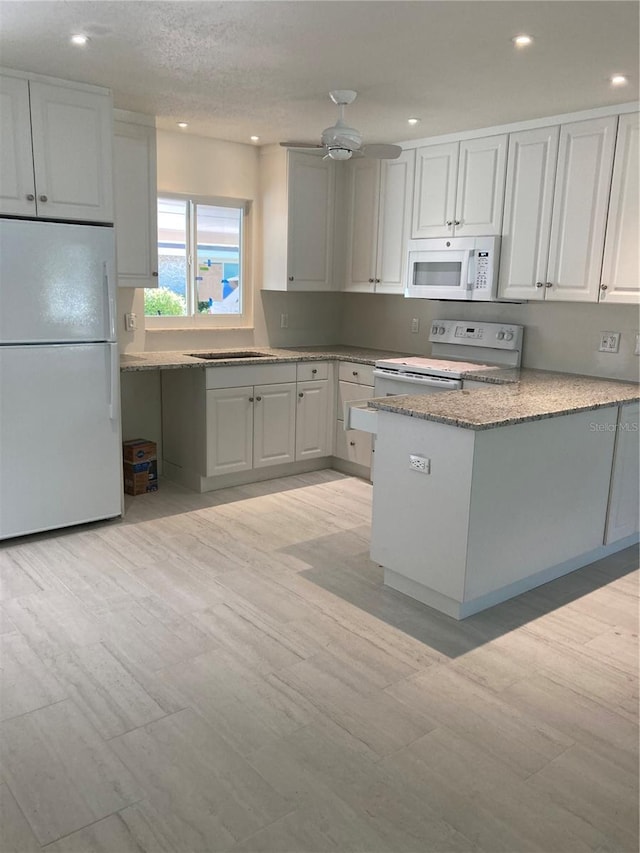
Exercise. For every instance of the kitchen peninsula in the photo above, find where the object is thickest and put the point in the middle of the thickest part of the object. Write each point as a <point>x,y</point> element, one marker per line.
<point>525,481</point>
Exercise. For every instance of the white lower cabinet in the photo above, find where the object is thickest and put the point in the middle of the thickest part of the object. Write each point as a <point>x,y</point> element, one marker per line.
<point>229,433</point>
<point>313,438</point>
<point>250,427</point>
<point>623,509</point>
<point>355,382</point>
<point>233,420</point>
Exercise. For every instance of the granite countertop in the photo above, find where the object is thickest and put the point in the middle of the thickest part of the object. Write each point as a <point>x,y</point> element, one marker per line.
<point>269,355</point>
<point>526,395</point>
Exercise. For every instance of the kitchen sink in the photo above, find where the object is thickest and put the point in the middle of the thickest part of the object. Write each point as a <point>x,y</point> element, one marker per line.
<point>224,356</point>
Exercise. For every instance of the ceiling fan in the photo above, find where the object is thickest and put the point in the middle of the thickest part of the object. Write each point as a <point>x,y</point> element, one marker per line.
<point>342,142</point>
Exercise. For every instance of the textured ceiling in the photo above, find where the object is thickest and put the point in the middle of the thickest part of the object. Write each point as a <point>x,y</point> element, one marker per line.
<point>233,69</point>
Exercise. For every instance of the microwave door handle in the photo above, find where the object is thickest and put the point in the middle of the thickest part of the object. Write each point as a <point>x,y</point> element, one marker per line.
<point>466,274</point>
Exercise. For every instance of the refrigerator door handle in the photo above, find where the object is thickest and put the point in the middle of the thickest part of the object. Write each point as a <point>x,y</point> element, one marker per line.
<point>111,307</point>
<point>114,372</point>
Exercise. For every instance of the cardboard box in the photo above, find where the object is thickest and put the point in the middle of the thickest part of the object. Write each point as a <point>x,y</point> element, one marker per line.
<point>140,466</point>
<point>138,450</point>
<point>141,477</point>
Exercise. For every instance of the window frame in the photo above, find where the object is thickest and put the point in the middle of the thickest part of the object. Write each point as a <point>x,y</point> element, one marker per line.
<point>243,320</point>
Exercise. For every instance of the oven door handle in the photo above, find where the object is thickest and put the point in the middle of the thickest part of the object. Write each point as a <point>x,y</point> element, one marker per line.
<point>429,381</point>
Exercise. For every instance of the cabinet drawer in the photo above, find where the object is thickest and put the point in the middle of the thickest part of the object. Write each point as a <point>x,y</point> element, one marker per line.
<point>353,445</point>
<point>312,370</point>
<point>254,374</point>
<point>352,372</point>
<point>358,415</point>
<point>349,391</point>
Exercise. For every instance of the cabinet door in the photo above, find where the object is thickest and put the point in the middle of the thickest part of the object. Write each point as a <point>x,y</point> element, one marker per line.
<point>622,514</point>
<point>352,445</point>
<point>72,152</point>
<point>621,267</point>
<point>136,218</point>
<point>528,203</point>
<point>274,431</point>
<point>394,218</point>
<point>310,217</point>
<point>585,161</point>
<point>435,190</point>
<point>229,422</point>
<point>312,420</point>
<point>17,188</point>
<point>480,194</point>
<point>363,190</point>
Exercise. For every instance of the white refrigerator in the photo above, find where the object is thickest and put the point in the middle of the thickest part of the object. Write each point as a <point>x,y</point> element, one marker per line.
<point>60,449</point>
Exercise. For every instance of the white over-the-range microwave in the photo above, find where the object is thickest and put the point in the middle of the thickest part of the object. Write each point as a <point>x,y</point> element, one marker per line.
<point>454,268</point>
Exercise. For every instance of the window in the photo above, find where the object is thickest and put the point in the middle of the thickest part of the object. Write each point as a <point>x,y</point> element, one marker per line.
<point>200,264</point>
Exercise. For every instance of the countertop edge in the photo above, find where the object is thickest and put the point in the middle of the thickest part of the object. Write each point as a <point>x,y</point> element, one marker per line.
<point>460,423</point>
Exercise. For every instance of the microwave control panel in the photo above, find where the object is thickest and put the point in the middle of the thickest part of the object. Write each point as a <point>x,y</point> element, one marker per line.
<point>483,270</point>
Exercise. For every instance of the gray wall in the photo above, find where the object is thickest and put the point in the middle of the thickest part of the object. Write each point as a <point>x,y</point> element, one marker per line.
<point>560,336</point>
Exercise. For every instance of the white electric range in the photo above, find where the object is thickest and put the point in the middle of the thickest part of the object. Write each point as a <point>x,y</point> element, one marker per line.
<point>459,348</point>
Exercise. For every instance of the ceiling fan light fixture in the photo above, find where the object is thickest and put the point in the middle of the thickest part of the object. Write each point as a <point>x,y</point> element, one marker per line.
<point>339,153</point>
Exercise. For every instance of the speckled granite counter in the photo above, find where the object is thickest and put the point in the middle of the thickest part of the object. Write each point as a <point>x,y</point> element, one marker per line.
<point>268,355</point>
<point>526,395</point>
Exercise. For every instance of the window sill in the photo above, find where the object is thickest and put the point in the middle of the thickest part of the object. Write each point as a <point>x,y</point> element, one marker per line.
<point>155,329</point>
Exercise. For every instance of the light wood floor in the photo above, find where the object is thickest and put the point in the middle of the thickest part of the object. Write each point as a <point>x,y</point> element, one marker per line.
<point>226,672</point>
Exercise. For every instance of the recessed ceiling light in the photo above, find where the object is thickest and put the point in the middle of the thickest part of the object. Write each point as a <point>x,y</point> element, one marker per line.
<point>522,40</point>
<point>182,124</point>
<point>619,80</point>
<point>414,120</point>
<point>79,39</point>
<point>255,139</point>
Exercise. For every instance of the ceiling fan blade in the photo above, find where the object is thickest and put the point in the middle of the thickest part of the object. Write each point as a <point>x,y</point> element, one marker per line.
<point>301,145</point>
<point>381,151</point>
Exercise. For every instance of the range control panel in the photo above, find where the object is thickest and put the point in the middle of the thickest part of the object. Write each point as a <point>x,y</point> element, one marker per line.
<point>507,336</point>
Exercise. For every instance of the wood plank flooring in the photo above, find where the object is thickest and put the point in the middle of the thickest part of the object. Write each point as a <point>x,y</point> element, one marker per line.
<point>226,673</point>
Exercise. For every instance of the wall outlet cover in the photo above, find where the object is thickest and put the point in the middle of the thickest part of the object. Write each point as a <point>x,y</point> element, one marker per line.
<point>415,325</point>
<point>609,342</point>
<point>130,322</point>
<point>419,463</point>
<point>637,349</point>
<point>284,321</point>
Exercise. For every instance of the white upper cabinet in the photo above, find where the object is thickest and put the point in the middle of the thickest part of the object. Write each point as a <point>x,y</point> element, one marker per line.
<point>459,188</point>
<point>363,194</point>
<point>297,220</point>
<point>583,179</point>
<point>394,222</point>
<point>379,198</point>
<point>620,280</point>
<point>528,204</point>
<point>434,198</point>
<point>17,184</point>
<point>136,219</point>
<point>66,132</point>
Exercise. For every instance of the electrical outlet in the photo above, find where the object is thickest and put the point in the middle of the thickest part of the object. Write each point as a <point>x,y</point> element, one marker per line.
<point>284,321</point>
<point>130,322</point>
<point>415,325</point>
<point>609,342</point>
<point>637,349</point>
<point>420,464</point>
